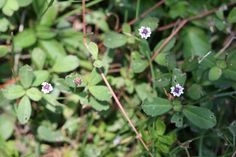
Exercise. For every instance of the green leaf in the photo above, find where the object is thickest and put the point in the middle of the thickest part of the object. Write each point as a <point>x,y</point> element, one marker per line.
<point>45,32</point>
<point>34,94</point>
<point>10,7</point>
<point>177,119</point>
<point>51,100</point>
<point>38,57</point>
<point>160,127</point>
<point>151,22</point>
<point>4,24</point>
<point>26,76</point>
<point>23,3</point>
<point>230,74</point>
<point>23,110</point>
<point>168,139</point>
<point>98,18</point>
<point>98,64</point>
<point>145,91</point>
<point>166,59</point>
<point>98,105</point>
<point>40,77</point>
<point>114,40</point>
<point>3,50</point>
<point>93,49</point>
<point>66,64</point>
<point>195,42</point>
<point>163,80</point>
<point>40,6</point>
<point>126,28</point>
<point>2,2</point>
<point>49,135</point>
<point>100,92</point>
<point>156,107</point>
<point>93,78</point>
<point>6,126</point>
<point>195,91</point>
<point>214,73</point>
<point>49,16</point>
<point>138,62</point>
<point>179,9</point>
<point>53,49</point>
<point>13,92</point>
<point>199,116</point>
<point>24,39</point>
<point>178,77</point>
<point>232,16</point>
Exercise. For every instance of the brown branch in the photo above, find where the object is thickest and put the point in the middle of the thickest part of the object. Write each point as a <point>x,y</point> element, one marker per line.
<point>9,82</point>
<point>145,13</point>
<point>170,25</point>
<point>110,88</point>
<point>226,44</point>
<point>182,23</point>
<point>196,17</point>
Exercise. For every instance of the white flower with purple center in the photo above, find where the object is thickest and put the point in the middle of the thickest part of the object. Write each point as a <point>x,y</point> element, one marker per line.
<point>144,32</point>
<point>177,90</point>
<point>46,88</point>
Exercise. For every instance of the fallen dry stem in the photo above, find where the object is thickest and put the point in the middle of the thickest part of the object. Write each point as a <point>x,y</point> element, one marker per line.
<point>139,136</point>
<point>182,23</point>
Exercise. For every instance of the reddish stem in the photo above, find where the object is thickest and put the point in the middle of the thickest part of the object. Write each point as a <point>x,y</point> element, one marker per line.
<point>110,89</point>
<point>182,23</point>
<point>9,82</point>
<point>145,13</point>
<point>206,13</point>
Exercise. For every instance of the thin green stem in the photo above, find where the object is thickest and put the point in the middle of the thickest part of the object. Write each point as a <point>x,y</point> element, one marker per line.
<point>200,146</point>
<point>137,9</point>
<point>90,122</point>
<point>78,9</point>
<point>126,15</point>
<point>152,70</point>
<point>225,94</point>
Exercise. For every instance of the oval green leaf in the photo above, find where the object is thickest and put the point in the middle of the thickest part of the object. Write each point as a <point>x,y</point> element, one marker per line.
<point>13,92</point>
<point>34,94</point>
<point>114,40</point>
<point>156,107</point>
<point>100,92</point>
<point>66,64</point>
<point>93,49</point>
<point>200,117</point>
<point>214,73</point>
<point>24,110</point>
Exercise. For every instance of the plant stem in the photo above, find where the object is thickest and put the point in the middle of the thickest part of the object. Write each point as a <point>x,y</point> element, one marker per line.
<point>86,134</point>
<point>110,88</point>
<point>196,17</point>
<point>145,13</point>
<point>78,9</point>
<point>137,9</point>
<point>139,136</point>
<point>182,23</point>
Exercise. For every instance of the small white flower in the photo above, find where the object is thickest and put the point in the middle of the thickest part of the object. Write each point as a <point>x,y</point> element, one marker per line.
<point>46,88</point>
<point>144,32</point>
<point>177,90</point>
